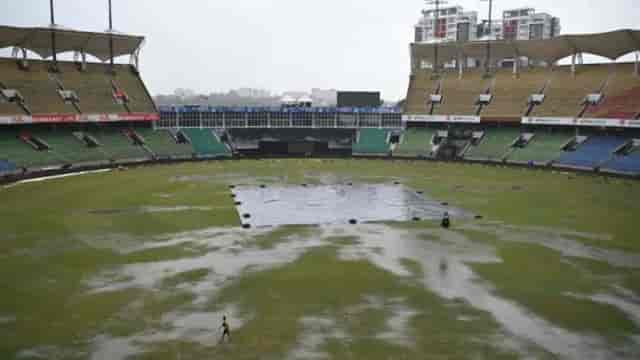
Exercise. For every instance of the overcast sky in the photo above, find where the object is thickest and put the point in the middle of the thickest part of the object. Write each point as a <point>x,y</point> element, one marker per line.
<point>286,45</point>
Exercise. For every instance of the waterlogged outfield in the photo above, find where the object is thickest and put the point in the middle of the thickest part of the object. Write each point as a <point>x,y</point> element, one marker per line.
<point>59,235</point>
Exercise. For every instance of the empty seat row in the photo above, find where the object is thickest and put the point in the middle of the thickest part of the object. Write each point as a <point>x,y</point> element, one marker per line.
<point>564,92</point>
<point>96,90</point>
<point>371,142</point>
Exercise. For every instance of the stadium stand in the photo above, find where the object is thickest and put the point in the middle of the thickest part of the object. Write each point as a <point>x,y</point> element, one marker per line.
<point>543,148</point>
<point>139,99</point>
<point>92,86</point>
<point>205,143</point>
<point>117,145</point>
<point>592,153</point>
<point>563,96</point>
<point>566,92</point>
<point>494,145</point>
<point>371,142</point>
<point>36,85</point>
<point>420,87</point>
<point>7,166</point>
<point>629,164</point>
<point>163,144</point>
<point>70,148</point>
<point>511,94</point>
<point>415,142</point>
<point>460,95</point>
<point>622,96</point>
<point>23,155</point>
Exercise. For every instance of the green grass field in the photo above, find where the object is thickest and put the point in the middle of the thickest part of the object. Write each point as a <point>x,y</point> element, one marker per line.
<point>143,263</point>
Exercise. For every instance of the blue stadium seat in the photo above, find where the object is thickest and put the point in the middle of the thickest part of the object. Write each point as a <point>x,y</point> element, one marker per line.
<point>625,163</point>
<point>6,166</point>
<point>593,152</point>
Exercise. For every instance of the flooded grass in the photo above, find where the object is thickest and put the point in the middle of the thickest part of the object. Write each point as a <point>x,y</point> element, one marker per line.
<point>143,263</point>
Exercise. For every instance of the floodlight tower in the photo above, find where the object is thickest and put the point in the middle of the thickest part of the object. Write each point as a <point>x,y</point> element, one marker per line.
<point>437,4</point>
<point>487,65</point>
<point>110,38</point>
<point>54,65</point>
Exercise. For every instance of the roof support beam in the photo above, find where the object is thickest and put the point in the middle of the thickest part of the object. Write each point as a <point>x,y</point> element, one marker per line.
<point>54,65</point>
<point>111,69</point>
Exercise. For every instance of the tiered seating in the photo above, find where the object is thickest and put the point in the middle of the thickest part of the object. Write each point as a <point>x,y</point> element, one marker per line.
<point>415,142</point>
<point>92,86</point>
<point>6,166</point>
<point>7,107</point>
<point>371,141</point>
<point>420,87</point>
<point>70,149</point>
<point>593,152</point>
<point>495,144</point>
<point>13,149</point>
<point>205,143</point>
<point>162,144</point>
<point>460,95</point>
<point>625,164</point>
<point>542,149</point>
<point>622,96</point>
<point>566,93</point>
<point>139,99</point>
<point>35,85</point>
<point>510,94</point>
<point>117,145</point>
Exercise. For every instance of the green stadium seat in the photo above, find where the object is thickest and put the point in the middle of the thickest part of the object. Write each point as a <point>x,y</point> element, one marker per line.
<point>543,148</point>
<point>205,143</point>
<point>371,142</point>
<point>23,155</point>
<point>162,144</point>
<point>415,142</point>
<point>117,145</point>
<point>494,145</point>
<point>70,148</point>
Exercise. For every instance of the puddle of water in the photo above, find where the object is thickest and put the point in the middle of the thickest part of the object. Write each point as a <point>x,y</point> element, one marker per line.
<point>316,331</point>
<point>457,281</point>
<point>108,348</point>
<point>7,319</point>
<point>398,326</point>
<point>335,204</point>
<point>560,241</point>
<point>443,256</point>
<point>631,309</point>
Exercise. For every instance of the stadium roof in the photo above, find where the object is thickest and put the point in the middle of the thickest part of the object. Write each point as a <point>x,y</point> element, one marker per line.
<point>611,45</point>
<point>38,40</point>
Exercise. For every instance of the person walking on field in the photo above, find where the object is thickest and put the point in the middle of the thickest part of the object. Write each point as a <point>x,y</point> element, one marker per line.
<point>225,330</point>
<point>445,221</point>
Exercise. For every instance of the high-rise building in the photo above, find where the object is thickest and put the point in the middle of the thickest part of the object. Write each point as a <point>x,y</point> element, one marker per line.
<point>448,24</point>
<point>526,24</point>
<point>454,24</point>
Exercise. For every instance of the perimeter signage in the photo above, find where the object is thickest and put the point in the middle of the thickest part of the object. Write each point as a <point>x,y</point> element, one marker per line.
<point>595,122</point>
<point>81,118</point>
<point>442,118</point>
